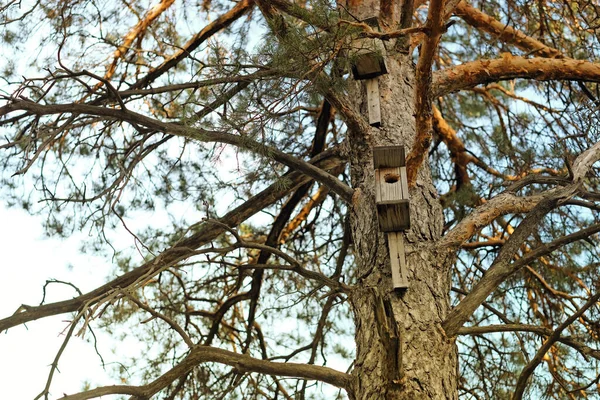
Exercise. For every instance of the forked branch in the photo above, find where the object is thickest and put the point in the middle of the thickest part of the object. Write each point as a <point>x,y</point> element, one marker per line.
<point>503,267</point>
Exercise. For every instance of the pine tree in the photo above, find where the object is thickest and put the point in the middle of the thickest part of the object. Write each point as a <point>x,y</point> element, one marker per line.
<point>248,126</point>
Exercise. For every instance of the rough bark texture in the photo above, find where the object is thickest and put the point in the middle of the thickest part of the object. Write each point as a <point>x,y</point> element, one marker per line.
<point>402,352</point>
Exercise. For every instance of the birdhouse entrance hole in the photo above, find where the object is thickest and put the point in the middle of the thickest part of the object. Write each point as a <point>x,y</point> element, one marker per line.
<point>391,178</point>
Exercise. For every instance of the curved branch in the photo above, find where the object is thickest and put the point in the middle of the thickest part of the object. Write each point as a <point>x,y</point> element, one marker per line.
<point>474,73</point>
<point>134,33</point>
<point>240,362</point>
<point>458,153</point>
<point>209,30</point>
<point>261,74</point>
<point>503,204</point>
<point>481,330</point>
<point>344,191</point>
<point>508,34</point>
<point>504,32</point>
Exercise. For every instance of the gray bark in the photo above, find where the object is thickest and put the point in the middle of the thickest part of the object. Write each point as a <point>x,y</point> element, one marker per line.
<point>402,351</point>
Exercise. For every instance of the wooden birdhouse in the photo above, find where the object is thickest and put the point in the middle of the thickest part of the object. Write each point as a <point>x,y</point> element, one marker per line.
<point>391,188</point>
<point>368,64</point>
<point>369,61</point>
<point>393,211</point>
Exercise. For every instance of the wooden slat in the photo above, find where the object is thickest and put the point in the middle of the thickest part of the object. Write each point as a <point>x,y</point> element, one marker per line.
<point>378,186</point>
<point>388,156</point>
<point>398,260</point>
<point>404,182</point>
<point>373,101</point>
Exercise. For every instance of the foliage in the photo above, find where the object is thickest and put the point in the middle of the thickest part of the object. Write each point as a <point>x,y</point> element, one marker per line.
<point>255,258</point>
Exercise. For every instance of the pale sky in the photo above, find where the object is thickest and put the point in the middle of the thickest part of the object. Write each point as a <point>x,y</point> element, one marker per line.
<point>28,260</point>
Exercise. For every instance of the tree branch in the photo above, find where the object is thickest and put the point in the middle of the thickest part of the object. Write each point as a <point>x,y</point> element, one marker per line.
<point>209,30</point>
<point>181,250</point>
<point>474,73</point>
<point>181,130</point>
<point>502,267</point>
<point>531,366</point>
<point>240,362</point>
<point>354,120</point>
<point>481,330</point>
<point>503,204</point>
<point>423,106</point>
<point>504,32</point>
<point>136,31</point>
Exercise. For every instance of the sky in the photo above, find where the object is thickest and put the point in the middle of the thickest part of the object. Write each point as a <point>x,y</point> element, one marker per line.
<point>28,260</point>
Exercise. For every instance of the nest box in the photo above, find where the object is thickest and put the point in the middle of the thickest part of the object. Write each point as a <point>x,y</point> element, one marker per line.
<point>369,54</point>
<point>391,188</point>
<point>391,197</point>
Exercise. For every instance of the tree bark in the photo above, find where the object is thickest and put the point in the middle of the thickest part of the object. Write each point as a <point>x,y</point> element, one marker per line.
<point>402,351</point>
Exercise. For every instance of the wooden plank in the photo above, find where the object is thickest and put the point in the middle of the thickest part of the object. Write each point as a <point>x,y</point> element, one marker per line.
<point>373,102</point>
<point>397,260</point>
<point>402,258</point>
<point>388,156</point>
<point>404,182</point>
<point>378,186</point>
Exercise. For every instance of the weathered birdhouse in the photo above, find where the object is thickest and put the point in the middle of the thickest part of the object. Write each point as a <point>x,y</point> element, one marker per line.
<point>391,197</point>
<point>369,61</point>
<point>391,188</point>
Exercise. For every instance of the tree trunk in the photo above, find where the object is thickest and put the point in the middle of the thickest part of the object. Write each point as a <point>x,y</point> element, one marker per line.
<point>402,351</point>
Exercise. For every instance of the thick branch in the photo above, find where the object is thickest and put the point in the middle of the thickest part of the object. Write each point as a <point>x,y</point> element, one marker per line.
<point>510,67</point>
<point>513,36</point>
<point>503,204</point>
<point>423,106</point>
<point>458,153</point>
<point>241,363</point>
<point>504,32</point>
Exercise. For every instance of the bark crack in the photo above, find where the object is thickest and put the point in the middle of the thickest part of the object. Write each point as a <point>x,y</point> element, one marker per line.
<point>389,336</point>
